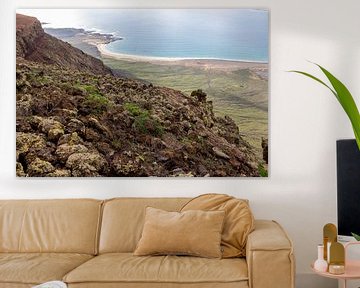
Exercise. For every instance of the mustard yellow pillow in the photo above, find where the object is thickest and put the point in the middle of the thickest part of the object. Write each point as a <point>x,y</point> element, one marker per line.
<point>238,223</point>
<point>193,232</point>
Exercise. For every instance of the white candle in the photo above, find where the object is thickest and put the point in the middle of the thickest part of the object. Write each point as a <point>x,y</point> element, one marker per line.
<point>328,252</point>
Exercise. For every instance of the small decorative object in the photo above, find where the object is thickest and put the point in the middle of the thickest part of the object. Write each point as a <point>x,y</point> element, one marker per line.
<point>337,258</point>
<point>320,264</point>
<point>341,267</point>
<point>328,251</point>
<point>336,269</point>
<point>330,236</point>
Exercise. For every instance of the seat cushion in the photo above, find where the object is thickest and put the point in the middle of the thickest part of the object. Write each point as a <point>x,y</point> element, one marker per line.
<point>129,269</point>
<point>35,268</point>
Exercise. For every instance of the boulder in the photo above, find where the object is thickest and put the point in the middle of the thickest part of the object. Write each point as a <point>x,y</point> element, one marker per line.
<point>25,141</point>
<point>199,94</point>
<point>20,170</point>
<point>94,123</point>
<point>70,139</point>
<point>55,134</point>
<point>23,105</point>
<point>75,125</point>
<point>40,168</point>
<point>91,135</point>
<point>63,151</point>
<point>86,164</point>
<point>54,129</point>
<point>64,113</point>
<point>220,153</point>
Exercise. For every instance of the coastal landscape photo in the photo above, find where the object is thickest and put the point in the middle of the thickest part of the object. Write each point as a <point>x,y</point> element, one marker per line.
<point>142,92</point>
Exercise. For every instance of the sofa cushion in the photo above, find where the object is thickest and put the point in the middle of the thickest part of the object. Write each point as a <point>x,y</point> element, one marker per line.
<point>239,220</point>
<point>194,232</point>
<point>123,220</point>
<point>36,268</point>
<point>126,268</point>
<point>63,226</point>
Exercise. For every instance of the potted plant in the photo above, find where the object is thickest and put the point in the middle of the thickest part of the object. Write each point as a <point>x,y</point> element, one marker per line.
<point>345,99</point>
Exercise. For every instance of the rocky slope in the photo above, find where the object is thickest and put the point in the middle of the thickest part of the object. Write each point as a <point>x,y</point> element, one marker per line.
<point>74,123</point>
<point>32,43</point>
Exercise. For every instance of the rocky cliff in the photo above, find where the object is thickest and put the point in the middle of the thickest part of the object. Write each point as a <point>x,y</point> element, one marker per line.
<point>32,43</point>
<point>74,121</point>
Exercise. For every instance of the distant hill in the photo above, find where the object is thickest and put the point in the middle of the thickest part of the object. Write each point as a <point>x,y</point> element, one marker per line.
<point>75,119</point>
<point>33,44</point>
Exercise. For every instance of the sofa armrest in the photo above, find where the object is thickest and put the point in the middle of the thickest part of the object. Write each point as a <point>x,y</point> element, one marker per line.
<point>269,255</point>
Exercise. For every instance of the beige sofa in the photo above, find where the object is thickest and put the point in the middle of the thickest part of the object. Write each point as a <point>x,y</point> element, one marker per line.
<point>89,243</point>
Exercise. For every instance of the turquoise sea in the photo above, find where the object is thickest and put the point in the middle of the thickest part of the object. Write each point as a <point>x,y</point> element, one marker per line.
<point>236,34</point>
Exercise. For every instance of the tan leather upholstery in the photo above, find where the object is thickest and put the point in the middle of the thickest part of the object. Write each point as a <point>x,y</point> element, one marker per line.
<point>126,268</point>
<point>68,226</point>
<point>123,220</point>
<point>73,225</point>
<point>192,233</point>
<point>269,255</point>
<point>36,268</point>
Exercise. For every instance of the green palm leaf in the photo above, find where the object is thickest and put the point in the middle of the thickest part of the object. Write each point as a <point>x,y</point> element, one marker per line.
<point>344,97</point>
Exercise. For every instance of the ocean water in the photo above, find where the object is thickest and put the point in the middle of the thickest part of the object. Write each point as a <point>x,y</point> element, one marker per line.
<point>236,34</point>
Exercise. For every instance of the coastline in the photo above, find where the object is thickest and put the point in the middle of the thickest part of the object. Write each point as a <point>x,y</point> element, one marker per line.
<point>94,43</point>
<point>223,64</point>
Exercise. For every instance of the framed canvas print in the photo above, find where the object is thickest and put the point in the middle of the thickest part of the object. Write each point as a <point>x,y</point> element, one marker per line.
<point>142,92</point>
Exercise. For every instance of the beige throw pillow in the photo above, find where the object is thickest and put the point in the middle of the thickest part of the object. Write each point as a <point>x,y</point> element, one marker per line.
<point>196,233</point>
<point>239,220</point>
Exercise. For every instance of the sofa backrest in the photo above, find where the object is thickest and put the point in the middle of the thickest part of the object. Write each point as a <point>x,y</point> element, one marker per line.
<point>123,220</point>
<point>64,226</point>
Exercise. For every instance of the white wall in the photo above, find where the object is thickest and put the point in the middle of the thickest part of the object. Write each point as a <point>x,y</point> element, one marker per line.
<point>305,121</point>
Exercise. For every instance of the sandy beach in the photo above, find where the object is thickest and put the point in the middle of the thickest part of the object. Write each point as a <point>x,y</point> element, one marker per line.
<point>218,64</point>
